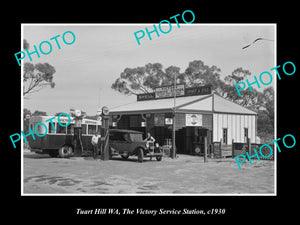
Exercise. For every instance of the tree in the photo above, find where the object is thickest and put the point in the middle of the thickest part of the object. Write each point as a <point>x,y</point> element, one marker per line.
<point>58,113</point>
<point>139,80</point>
<point>266,109</point>
<point>236,76</point>
<point>26,112</point>
<point>199,74</point>
<point>227,89</point>
<point>37,76</point>
<point>39,113</point>
<point>145,79</point>
<point>25,44</point>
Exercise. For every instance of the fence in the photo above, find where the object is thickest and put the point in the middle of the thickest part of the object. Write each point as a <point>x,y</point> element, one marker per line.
<point>239,148</point>
<point>216,150</point>
<point>219,150</point>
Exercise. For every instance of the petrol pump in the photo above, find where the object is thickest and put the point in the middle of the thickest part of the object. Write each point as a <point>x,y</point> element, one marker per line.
<point>104,114</point>
<point>78,116</point>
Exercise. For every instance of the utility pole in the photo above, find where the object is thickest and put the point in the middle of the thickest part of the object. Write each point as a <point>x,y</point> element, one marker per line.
<point>105,124</point>
<point>78,117</point>
<point>174,123</point>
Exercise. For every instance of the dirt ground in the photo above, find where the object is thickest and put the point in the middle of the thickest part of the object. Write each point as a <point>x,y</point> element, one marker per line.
<point>183,175</point>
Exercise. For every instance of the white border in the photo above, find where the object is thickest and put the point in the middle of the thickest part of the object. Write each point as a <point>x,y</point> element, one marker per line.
<point>139,24</point>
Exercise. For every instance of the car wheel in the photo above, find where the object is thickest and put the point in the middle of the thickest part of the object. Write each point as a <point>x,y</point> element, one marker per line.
<point>110,153</point>
<point>140,155</point>
<point>159,158</point>
<point>53,153</point>
<point>65,151</point>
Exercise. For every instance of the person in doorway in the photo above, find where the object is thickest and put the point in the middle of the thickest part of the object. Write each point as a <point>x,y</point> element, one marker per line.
<point>95,143</point>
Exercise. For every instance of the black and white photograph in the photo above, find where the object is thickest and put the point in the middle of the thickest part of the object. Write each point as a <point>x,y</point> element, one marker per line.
<point>149,109</point>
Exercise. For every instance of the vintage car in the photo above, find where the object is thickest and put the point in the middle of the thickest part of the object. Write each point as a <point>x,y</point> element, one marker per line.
<point>129,142</point>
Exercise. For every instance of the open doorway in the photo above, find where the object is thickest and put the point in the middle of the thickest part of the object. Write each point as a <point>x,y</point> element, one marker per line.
<point>190,140</point>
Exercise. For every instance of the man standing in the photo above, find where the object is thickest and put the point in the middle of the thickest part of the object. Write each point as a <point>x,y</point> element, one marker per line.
<point>95,141</point>
<point>149,141</point>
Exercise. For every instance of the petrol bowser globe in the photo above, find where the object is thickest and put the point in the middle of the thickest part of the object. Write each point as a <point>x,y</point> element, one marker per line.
<point>77,113</point>
<point>105,110</point>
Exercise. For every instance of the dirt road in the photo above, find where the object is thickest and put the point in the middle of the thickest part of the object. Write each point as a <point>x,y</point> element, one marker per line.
<point>184,175</point>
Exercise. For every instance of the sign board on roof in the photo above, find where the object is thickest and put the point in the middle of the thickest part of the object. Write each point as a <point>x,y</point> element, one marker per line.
<point>146,96</point>
<point>168,92</point>
<point>202,90</point>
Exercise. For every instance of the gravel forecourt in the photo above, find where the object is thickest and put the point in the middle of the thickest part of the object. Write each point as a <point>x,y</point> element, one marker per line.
<point>184,175</point>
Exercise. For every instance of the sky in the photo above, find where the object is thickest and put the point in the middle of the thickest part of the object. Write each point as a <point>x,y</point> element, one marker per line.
<point>86,69</point>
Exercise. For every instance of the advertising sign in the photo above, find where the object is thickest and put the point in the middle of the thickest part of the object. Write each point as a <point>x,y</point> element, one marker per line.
<point>181,91</point>
<point>169,121</point>
<point>193,120</point>
<point>159,119</point>
<point>168,91</point>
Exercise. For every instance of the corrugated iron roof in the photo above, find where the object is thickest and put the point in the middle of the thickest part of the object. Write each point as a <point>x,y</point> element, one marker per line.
<point>226,106</point>
<point>194,103</point>
<point>157,104</point>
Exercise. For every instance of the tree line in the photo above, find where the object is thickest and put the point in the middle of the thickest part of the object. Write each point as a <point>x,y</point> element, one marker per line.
<point>143,79</point>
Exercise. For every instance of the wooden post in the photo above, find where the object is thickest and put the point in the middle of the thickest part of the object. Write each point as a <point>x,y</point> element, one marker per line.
<point>205,149</point>
<point>173,153</point>
<point>78,149</point>
<point>220,147</point>
<point>105,145</point>
<point>105,122</point>
<point>232,147</point>
<point>174,121</point>
<point>249,145</point>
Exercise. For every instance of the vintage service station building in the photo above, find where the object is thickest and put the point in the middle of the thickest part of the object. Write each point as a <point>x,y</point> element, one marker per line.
<point>199,113</point>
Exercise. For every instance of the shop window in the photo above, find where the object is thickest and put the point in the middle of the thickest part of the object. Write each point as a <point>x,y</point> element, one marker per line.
<point>246,134</point>
<point>60,129</point>
<point>50,128</point>
<point>40,129</point>
<point>224,135</point>
<point>91,129</point>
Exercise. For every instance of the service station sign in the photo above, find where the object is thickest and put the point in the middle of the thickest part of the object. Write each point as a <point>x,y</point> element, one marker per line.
<point>193,120</point>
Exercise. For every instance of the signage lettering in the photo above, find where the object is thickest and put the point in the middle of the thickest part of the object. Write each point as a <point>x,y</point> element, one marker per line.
<point>168,92</point>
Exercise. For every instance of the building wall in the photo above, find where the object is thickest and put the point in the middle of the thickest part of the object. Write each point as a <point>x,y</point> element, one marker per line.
<point>235,125</point>
<point>206,121</point>
<point>134,121</point>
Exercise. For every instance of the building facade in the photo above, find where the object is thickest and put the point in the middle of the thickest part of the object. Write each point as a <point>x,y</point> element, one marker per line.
<point>197,112</point>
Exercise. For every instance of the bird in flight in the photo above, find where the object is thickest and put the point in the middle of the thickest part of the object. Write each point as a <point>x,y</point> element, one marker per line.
<point>257,39</point>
